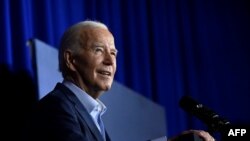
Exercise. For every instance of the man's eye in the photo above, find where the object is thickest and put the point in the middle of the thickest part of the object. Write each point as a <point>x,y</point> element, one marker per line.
<point>98,49</point>
<point>114,53</point>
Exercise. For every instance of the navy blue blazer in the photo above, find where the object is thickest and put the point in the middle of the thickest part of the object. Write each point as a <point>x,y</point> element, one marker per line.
<point>60,116</point>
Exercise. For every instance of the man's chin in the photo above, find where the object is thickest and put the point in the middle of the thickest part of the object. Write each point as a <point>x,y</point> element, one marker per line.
<point>107,87</point>
<point>104,85</point>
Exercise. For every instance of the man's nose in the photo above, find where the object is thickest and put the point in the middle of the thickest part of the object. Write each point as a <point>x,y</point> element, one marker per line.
<point>108,59</point>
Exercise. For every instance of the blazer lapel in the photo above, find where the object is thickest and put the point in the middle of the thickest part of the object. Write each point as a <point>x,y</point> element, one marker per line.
<point>107,136</point>
<point>82,112</point>
<point>88,119</point>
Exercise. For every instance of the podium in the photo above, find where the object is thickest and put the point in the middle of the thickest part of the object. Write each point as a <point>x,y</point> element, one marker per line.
<point>186,137</point>
<point>189,137</point>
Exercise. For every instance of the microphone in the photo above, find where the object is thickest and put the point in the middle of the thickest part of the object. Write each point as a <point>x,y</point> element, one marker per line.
<point>206,115</point>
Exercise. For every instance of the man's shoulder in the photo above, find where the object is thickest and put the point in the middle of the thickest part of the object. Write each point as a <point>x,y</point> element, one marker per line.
<point>60,93</point>
<point>54,95</point>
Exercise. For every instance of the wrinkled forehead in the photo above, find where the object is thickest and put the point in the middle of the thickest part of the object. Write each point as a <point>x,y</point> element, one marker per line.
<point>98,35</point>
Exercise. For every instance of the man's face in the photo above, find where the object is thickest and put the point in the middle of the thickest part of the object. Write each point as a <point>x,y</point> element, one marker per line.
<point>96,61</point>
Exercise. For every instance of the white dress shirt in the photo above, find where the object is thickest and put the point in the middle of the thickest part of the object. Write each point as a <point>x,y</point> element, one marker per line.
<point>94,106</point>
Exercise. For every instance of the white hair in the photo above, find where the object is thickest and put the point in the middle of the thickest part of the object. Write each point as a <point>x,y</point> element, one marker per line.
<point>90,23</point>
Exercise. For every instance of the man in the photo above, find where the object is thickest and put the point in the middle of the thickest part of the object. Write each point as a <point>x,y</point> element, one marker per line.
<point>72,111</point>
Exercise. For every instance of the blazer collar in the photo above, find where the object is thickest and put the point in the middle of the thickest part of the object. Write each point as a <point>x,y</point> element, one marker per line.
<point>81,110</point>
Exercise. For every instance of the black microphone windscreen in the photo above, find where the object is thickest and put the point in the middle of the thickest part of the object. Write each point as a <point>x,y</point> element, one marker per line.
<point>206,115</point>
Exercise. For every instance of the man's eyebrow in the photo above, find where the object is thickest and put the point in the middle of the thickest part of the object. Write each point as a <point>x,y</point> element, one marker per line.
<point>98,44</point>
<point>115,50</point>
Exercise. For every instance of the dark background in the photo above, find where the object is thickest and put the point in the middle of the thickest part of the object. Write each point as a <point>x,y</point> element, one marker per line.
<point>167,49</point>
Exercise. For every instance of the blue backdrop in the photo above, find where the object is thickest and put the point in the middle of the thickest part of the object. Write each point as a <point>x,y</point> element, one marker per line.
<point>167,48</point>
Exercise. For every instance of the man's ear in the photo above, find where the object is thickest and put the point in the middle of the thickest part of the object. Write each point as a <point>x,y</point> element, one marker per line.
<point>70,61</point>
